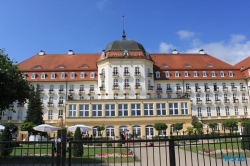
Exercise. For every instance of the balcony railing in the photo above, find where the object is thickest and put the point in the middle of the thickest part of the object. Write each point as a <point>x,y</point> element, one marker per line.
<point>159,90</point>
<point>126,74</point>
<point>60,104</point>
<point>126,86</point>
<point>178,90</point>
<point>102,75</point>
<point>216,90</point>
<point>91,91</point>
<point>226,101</point>
<point>169,90</point>
<point>71,91</point>
<point>150,87</point>
<point>243,89</point>
<point>188,90</point>
<point>235,100</point>
<point>225,89</point>
<point>61,91</point>
<point>137,74</point>
<point>115,87</point>
<point>149,75</point>
<point>115,74</point>
<point>137,86</point>
<point>217,102</point>
<point>207,90</point>
<point>51,92</point>
<point>244,100</point>
<point>208,102</point>
<point>198,102</point>
<point>50,104</point>
<point>197,90</point>
<point>234,89</point>
<point>41,92</point>
<point>102,88</point>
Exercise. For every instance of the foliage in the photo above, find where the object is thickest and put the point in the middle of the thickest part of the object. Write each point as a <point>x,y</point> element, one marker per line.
<point>245,144</point>
<point>63,128</point>
<point>160,126</point>
<point>77,147</point>
<point>230,124</point>
<point>69,134</point>
<point>190,130</point>
<point>244,121</point>
<point>198,126</point>
<point>35,111</point>
<point>212,125</point>
<point>178,126</point>
<point>28,126</point>
<point>13,86</point>
<point>6,148</point>
<point>100,128</point>
<point>12,127</point>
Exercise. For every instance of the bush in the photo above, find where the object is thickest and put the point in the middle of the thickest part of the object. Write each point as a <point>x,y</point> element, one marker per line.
<point>108,144</point>
<point>119,144</point>
<point>245,144</point>
<point>6,148</point>
<point>77,147</point>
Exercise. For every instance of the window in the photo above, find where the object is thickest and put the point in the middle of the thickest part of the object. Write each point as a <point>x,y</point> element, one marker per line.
<point>9,115</point>
<point>157,74</point>
<point>62,75</point>
<point>187,86</point>
<point>137,71</point>
<point>123,109</point>
<point>81,88</point>
<point>50,100</point>
<point>96,133</point>
<point>137,130</point>
<point>158,86</point>
<point>248,71</point>
<point>116,82</point>
<point>43,76</point>
<point>176,73</point>
<point>230,74</point>
<point>136,109</point>
<point>224,85</point>
<point>83,110</point>
<point>60,114</point>
<point>161,108</point>
<point>236,110</point>
<point>207,97</point>
<point>208,111</point>
<point>137,82</point>
<point>218,111</point>
<point>92,75</point>
<point>50,115</point>
<point>198,97</point>
<point>110,109</point>
<point>173,108</point>
<point>245,110</point>
<point>97,110</point>
<point>232,84</point>
<point>221,73</point>
<point>33,75</point>
<point>199,112</point>
<point>72,110</point>
<point>81,98</point>
<point>115,70</point>
<point>186,74</point>
<point>204,74</point>
<point>91,88</point>
<point>126,70</point>
<point>41,87</point>
<point>195,74</point>
<point>19,115</point>
<point>159,96</point>
<point>72,75</point>
<point>91,98</point>
<point>149,131</point>
<point>61,100</point>
<point>216,97</point>
<point>227,111</point>
<point>53,75</point>
<point>167,74</point>
<point>82,75</point>
<point>184,108</point>
<point>148,110</point>
<point>213,74</point>
<point>110,131</point>
<point>71,87</point>
<point>61,88</point>
<point>126,82</point>
<point>51,87</point>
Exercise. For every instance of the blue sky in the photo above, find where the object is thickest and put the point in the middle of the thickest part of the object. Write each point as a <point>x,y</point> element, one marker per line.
<point>220,27</point>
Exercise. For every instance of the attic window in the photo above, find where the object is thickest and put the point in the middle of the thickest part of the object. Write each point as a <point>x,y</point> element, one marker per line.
<point>82,75</point>
<point>213,74</point>
<point>209,65</point>
<point>176,74</point>
<point>204,74</point>
<point>84,66</point>
<point>195,74</point>
<point>230,74</point>
<point>60,67</point>
<point>72,75</point>
<point>187,65</point>
<point>186,74</point>
<point>167,74</point>
<point>157,74</point>
<point>53,75</point>
<point>37,67</point>
<point>33,75</point>
<point>92,75</point>
<point>24,75</point>
<point>62,75</point>
<point>43,76</point>
<point>164,65</point>
<point>222,74</point>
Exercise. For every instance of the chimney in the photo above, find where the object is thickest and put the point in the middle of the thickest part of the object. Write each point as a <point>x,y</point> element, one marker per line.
<point>70,52</point>
<point>41,53</point>
<point>103,54</point>
<point>174,51</point>
<point>202,52</point>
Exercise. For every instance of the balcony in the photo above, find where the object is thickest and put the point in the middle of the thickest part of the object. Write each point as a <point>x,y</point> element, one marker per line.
<point>115,74</point>
<point>126,88</point>
<point>61,92</point>
<point>91,92</point>
<point>243,89</point>
<point>188,90</point>
<point>178,91</point>
<point>137,74</point>
<point>159,90</point>
<point>42,92</point>
<point>245,102</point>
<point>71,92</point>
<point>126,74</point>
<point>199,102</point>
<point>207,90</point>
<point>60,104</point>
<point>42,105</point>
<point>149,75</point>
<point>150,89</point>
<point>102,89</point>
<point>225,89</point>
<point>216,90</point>
<point>20,105</point>
<point>236,102</point>
<point>138,88</point>
<point>197,90</point>
<point>234,89</point>
<point>217,102</point>
<point>169,90</point>
<point>102,76</point>
<point>11,106</point>
<point>81,92</point>
<point>208,103</point>
<point>115,88</point>
<point>51,92</point>
<point>50,104</point>
<point>227,102</point>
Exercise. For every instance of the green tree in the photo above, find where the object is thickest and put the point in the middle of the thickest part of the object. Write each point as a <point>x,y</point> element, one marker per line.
<point>78,147</point>
<point>244,121</point>
<point>13,86</point>
<point>178,126</point>
<point>198,126</point>
<point>245,143</point>
<point>160,127</point>
<point>35,111</point>
<point>230,124</point>
<point>190,130</point>
<point>100,128</point>
<point>6,148</point>
<point>13,128</point>
<point>212,125</point>
<point>28,126</point>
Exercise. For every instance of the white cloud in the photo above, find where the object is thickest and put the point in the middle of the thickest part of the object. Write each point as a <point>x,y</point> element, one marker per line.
<point>101,3</point>
<point>164,47</point>
<point>184,34</point>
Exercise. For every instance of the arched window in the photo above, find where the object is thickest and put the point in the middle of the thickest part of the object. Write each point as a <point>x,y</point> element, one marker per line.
<point>95,132</point>
<point>137,131</point>
<point>110,131</point>
<point>123,128</point>
<point>149,131</point>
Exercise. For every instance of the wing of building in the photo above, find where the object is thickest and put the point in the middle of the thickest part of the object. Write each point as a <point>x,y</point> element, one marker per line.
<point>125,87</point>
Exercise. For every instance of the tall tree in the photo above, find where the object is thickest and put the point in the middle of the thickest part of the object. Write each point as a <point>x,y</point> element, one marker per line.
<point>35,111</point>
<point>78,147</point>
<point>6,148</point>
<point>230,124</point>
<point>13,86</point>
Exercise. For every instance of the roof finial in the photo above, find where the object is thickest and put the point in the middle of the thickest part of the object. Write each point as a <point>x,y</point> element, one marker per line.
<point>123,32</point>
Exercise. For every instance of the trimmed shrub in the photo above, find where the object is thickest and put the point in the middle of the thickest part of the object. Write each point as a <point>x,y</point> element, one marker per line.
<point>6,148</point>
<point>77,147</point>
<point>245,142</point>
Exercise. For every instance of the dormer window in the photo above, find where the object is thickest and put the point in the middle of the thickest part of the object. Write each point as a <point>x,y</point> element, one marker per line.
<point>204,74</point>
<point>62,75</point>
<point>213,74</point>
<point>24,75</point>
<point>167,74</point>
<point>92,75</point>
<point>82,75</point>
<point>157,74</point>
<point>72,75</point>
<point>33,76</point>
<point>176,74</point>
<point>221,73</point>
<point>43,76</point>
<point>53,76</point>
<point>195,74</point>
<point>186,74</point>
<point>230,73</point>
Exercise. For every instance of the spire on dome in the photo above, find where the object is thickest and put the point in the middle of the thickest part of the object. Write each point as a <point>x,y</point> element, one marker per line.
<point>123,31</point>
